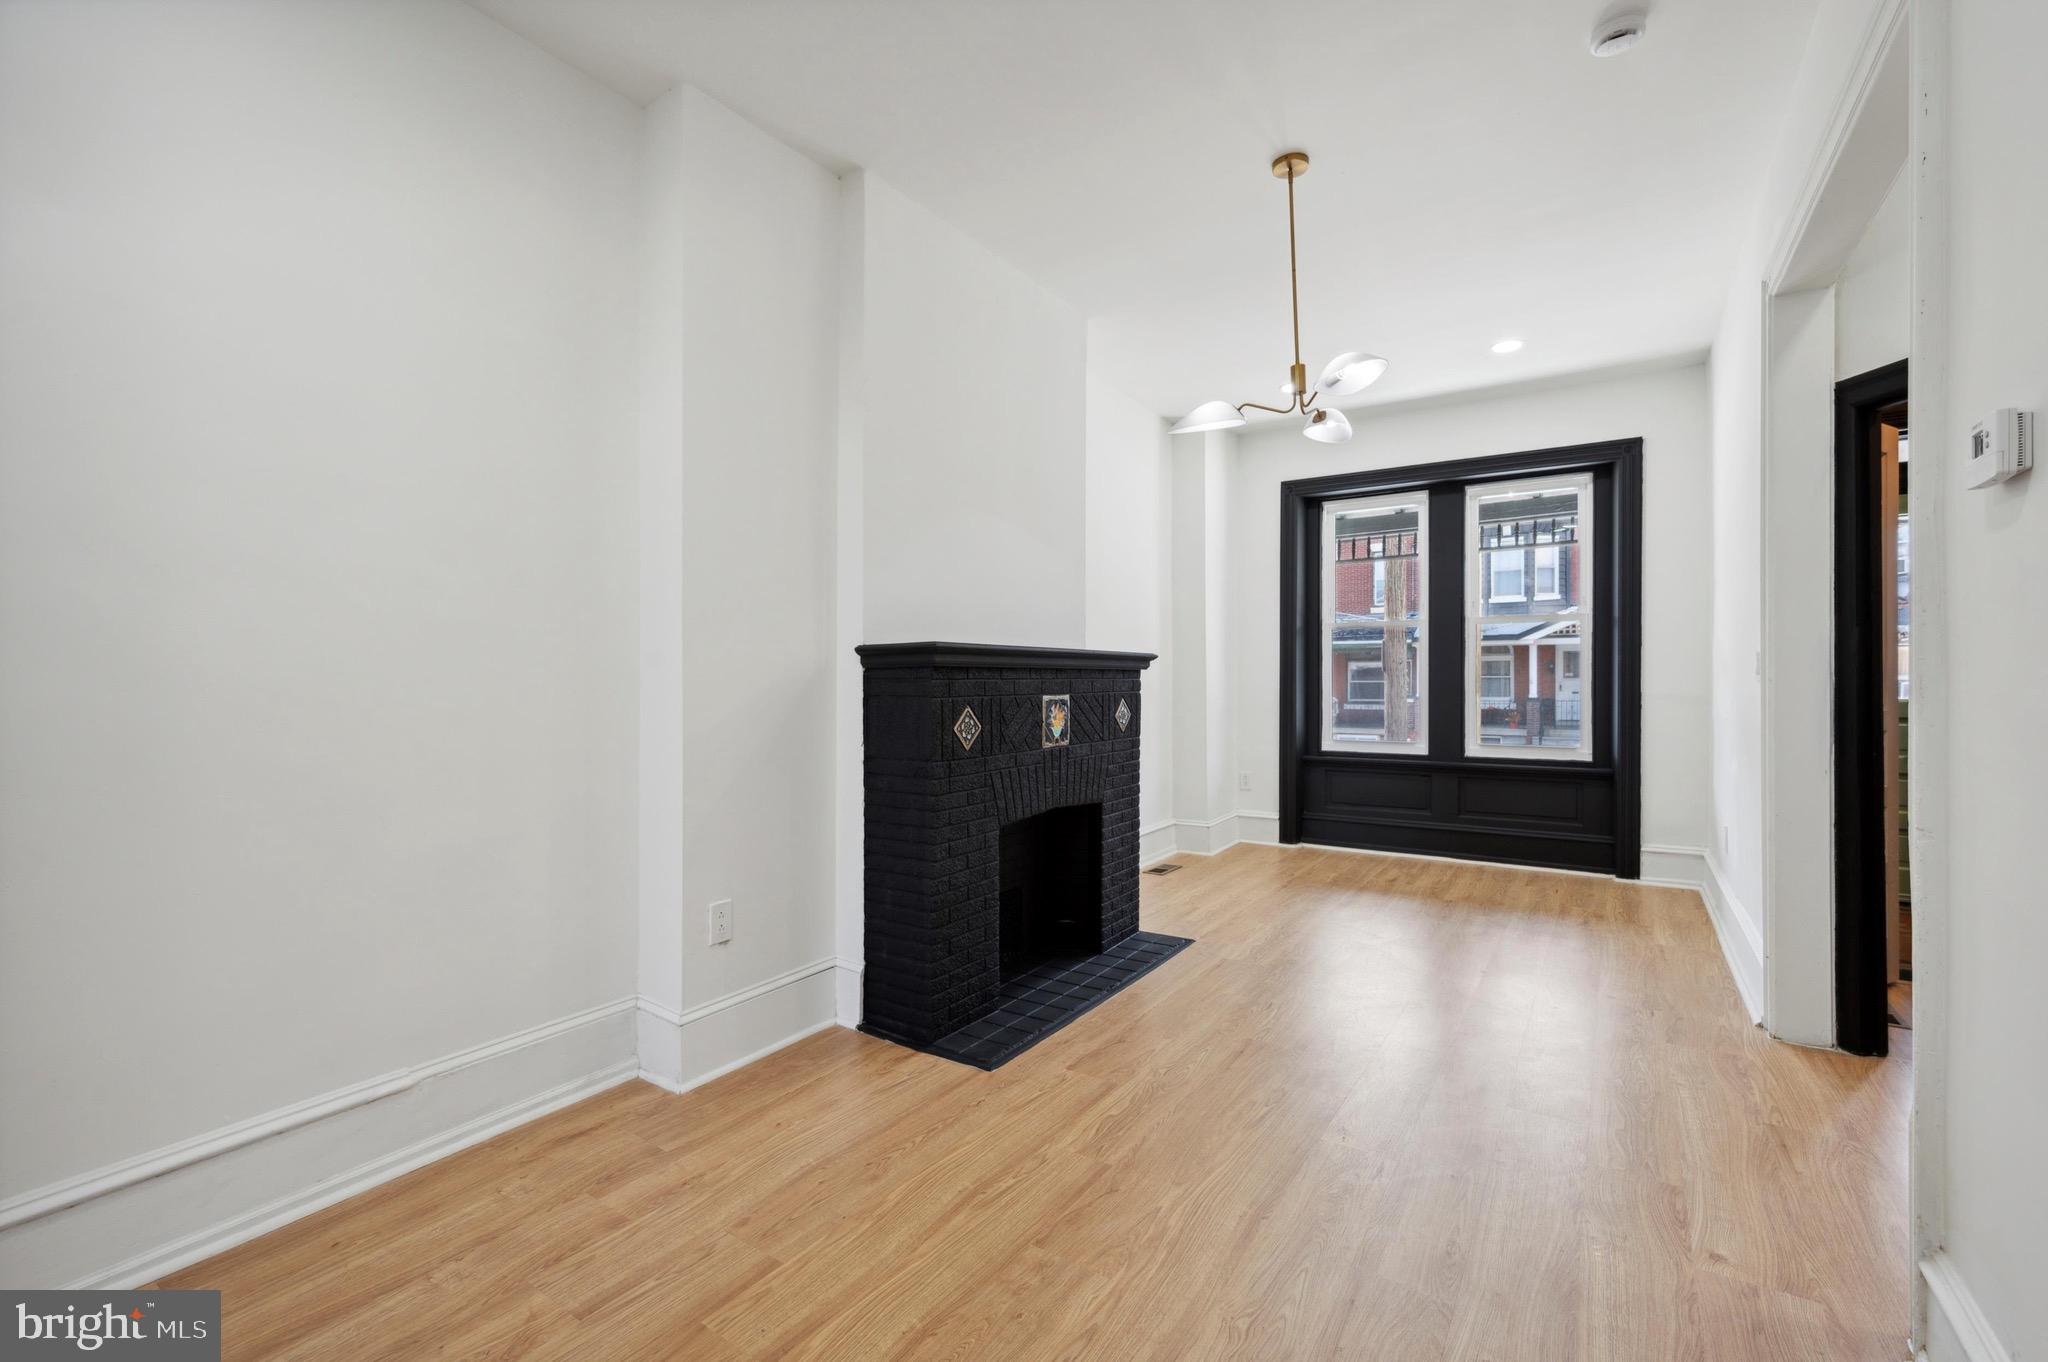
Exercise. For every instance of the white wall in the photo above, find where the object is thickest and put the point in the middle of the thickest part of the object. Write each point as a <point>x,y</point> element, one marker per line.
<point>1798,656</point>
<point>972,384</point>
<point>1737,364</point>
<point>1873,297</point>
<point>738,400</point>
<point>316,569</point>
<point>1668,409</point>
<point>1997,1097</point>
<point>1205,798</point>
<point>1832,255</point>
<point>1130,569</point>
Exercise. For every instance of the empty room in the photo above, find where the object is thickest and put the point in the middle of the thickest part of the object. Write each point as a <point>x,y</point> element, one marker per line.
<point>872,679</point>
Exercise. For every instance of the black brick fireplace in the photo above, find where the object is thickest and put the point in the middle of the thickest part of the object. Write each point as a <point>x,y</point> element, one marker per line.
<point>1001,842</point>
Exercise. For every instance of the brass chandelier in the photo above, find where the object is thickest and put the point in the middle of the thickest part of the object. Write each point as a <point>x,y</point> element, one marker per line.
<point>1353,371</point>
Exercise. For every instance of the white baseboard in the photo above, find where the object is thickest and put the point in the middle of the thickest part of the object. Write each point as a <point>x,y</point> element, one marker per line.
<point>1741,945</point>
<point>129,1223</point>
<point>846,979</point>
<point>1156,843</point>
<point>1199,838</point>
<point>698,1080</point>
<point>1682,867</point>
<point>1256,825</point>
<point>1193,837</point>
<point>680,1050</point>
<point>1693,868</point>
<point>1958,1330</point>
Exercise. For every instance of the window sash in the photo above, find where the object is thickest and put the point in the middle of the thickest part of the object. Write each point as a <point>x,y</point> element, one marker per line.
<point>1392,620</point>
<point>1519,730</point>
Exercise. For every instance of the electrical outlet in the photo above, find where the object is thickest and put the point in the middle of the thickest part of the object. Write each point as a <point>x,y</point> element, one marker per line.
<point>1244,780</point>
<point>721,922</point>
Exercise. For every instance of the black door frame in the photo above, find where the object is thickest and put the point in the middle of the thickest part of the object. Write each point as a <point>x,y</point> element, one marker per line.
<point>1862,626</point>
<point>1616,464</point>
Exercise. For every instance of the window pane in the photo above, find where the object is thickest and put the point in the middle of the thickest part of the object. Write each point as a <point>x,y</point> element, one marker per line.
<point>1529,538</point>
<point>1528,575</point>
<point>1374,623</point>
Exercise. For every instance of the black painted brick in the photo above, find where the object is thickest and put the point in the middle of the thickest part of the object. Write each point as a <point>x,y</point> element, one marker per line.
<point>934,816</point>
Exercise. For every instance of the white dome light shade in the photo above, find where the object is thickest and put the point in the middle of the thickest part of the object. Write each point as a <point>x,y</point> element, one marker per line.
<point>1328,426</point>
<point>1353,371</point>
<point>1209,416</point>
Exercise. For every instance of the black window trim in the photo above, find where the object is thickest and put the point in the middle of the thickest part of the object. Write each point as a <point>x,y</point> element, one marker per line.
<point>1617,746</point>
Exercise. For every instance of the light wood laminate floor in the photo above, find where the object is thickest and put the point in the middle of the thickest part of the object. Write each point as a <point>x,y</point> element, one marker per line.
<point>1383,1108</point>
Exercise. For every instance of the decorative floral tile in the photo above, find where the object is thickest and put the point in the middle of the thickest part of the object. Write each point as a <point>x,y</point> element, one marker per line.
<point>1123,716</point>
<point>1056,720</point>
<point>967,728</point>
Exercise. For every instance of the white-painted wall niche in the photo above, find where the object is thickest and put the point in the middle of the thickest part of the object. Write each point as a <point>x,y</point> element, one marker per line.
<point>1130,599</point>
<point>963,450</point>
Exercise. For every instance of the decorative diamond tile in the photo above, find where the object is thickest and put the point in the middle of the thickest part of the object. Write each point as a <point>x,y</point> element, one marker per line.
<point>1123,715</point>
<point>966,728</point>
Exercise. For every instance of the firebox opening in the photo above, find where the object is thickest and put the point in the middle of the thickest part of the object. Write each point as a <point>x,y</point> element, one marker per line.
<point>1051,889</point>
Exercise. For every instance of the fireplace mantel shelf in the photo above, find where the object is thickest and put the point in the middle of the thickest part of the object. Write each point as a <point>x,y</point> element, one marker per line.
<point>879,656</point>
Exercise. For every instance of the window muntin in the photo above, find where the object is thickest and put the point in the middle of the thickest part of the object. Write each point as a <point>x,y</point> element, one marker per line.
<point>1375,591</point>
<point>1529,633</point>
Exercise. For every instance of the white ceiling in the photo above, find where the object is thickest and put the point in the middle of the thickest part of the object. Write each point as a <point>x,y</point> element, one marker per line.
<point>1476,173</point>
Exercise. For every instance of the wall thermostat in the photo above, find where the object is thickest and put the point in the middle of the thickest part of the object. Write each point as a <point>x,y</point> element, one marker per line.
<point>2001,446</point>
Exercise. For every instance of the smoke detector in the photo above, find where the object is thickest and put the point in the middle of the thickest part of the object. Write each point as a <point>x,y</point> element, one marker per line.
<point>1617,34</point>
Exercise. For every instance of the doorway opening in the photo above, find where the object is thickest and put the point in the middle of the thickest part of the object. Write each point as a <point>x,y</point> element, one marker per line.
<point>1873,681</point>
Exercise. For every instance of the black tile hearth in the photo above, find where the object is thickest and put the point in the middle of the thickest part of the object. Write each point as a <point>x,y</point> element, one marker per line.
<point>1039,1002</point>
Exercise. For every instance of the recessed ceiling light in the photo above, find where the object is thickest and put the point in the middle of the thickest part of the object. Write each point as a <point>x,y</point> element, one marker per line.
<point>1616,35</point>
<point>1506,347</point>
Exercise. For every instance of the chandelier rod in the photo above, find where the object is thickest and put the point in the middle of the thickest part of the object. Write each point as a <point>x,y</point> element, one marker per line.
<point>1293,282</point>
<point>1297,377</point>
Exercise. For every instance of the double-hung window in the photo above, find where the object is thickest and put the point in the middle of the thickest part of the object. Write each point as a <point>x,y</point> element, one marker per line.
<point>1460,657</point>
<point>1529,628</point>
<point>1375,622</point>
